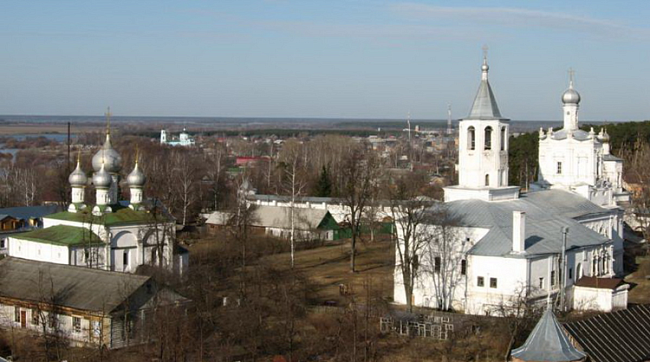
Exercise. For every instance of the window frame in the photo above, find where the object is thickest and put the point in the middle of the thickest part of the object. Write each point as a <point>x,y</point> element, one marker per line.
<point>480,281</point>
<point>494,283</point>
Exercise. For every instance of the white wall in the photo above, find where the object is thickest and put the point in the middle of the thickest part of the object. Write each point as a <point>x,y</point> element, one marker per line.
<point>38,251</point>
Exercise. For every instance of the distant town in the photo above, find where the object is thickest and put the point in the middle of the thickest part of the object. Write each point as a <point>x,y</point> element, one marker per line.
<point>474,238</point>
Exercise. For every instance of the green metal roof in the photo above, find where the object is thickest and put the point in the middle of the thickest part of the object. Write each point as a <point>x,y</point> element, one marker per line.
<point>62,235</point>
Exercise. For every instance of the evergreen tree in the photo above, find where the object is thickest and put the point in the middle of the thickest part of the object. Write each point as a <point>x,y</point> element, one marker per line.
<point>324,185</point>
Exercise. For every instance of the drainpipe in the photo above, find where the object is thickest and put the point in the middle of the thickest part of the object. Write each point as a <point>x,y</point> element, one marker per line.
<point>565,231</point>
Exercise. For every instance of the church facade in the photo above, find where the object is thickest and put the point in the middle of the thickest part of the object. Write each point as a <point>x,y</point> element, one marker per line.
<point>497,245</point>
<point>111,234</point>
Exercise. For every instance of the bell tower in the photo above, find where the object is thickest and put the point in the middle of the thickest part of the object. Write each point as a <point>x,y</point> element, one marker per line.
<point>483,149</point>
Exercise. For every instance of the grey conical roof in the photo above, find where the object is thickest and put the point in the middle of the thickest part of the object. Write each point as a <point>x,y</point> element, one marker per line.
<point>548,342</point>
<point>485,104</point>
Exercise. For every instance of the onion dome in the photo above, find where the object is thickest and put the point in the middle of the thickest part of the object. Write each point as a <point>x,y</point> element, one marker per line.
<point>78,177</point>
<point>570,96</point>
<point>102,178</point>
<point>108,157</point>
<point>136,178</point>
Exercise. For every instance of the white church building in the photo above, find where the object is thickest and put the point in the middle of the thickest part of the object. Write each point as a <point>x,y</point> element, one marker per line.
<point>111,235</point>
<point>506,245</point>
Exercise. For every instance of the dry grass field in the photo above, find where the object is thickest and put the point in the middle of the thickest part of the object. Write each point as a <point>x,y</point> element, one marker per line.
<point>329,268</point>
<point>640,279</point>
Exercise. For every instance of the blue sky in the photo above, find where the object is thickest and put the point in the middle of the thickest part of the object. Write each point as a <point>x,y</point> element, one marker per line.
<point>336,58</point>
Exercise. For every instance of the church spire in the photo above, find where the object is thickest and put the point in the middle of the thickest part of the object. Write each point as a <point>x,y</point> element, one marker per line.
<point>485,104</point>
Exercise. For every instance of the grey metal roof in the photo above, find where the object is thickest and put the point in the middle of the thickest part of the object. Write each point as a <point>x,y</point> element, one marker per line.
<point>611,158</point>
<point>280,217</point>
<point>30,212</point>
<point>622,336</point>
<point>548,342</point>
<point>282,198</point>
<point>485,104</point>
<point>546,211</point>
<point>578,134</point>
<point>72,286</point>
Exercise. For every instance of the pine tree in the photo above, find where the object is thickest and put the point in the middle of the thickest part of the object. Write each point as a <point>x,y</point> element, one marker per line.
<point>324,185</point>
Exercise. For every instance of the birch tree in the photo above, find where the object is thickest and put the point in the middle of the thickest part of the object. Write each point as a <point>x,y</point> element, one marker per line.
<point>294,184</point>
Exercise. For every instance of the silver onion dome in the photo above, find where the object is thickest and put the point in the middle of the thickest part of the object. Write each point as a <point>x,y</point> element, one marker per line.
<point>570,96</point>
<point>78,177</point>
<point>102,178</point>
<point>108,157</point>
<point>136,178</point>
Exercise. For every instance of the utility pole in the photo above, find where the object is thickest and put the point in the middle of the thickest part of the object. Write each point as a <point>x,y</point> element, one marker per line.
<point>68,148</point>
<point>563,264</point>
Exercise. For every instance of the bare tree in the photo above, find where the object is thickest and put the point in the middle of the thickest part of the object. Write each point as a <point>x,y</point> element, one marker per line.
<point>291,158</point>
<point>445,255</point>
<point>410,216</point>
<point>359,173</point>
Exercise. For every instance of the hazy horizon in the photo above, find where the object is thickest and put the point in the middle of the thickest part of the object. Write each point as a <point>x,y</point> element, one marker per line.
<point>322,59</point>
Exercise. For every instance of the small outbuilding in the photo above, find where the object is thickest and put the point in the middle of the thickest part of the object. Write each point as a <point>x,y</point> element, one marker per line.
<point>83,305</point>
<point>600,294</point>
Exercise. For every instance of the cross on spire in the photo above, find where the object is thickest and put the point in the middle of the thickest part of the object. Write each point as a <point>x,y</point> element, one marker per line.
<point>108,120</point>
<point>571,75</point>
<point>485,52</point>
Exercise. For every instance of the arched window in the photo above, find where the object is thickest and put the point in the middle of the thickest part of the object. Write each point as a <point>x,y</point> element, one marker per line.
<point>487,179</point>
<point>579,271</point>
<point>471,138</point>
<point>503,138</point>
<point>488,138</point>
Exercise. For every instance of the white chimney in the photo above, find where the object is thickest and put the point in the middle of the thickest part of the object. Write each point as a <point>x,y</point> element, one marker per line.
<point>518,231</point>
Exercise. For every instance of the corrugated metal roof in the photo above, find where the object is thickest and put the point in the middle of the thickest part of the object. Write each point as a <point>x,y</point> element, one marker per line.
<point>280,217</point>
<point>548,342</point>
<point>622,336</point>
<point>71,286</point>
<point>546,213</point>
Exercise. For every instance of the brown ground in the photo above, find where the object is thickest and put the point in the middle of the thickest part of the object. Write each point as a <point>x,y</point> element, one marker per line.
<point>640,293</point>
<point>329,267</point>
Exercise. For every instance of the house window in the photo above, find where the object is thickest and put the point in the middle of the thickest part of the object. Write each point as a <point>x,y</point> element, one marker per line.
<point>52,320</point>
<point>559,168</point>
<point>76,324</point>
<point>471,138</point>
<point>503,138</point>
<point>35,317</point>
<point>463,267</point>
<point>480,281</point>
<point>553,278</point>
<point>17,314</point>
<point>3,243</point>
<point>571,273</point>
<point>436,264</point>
<point>488,138</point>
<point>487,179</point>
<point>541,283</point>
<point>125,258</point>
<point>97,329</point>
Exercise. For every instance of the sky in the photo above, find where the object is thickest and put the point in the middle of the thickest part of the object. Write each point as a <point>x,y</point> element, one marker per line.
<point>322,59</point>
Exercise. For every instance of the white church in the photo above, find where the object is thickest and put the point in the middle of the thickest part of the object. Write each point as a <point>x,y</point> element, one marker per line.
<point>506,244</point>
<point>110,235</point>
